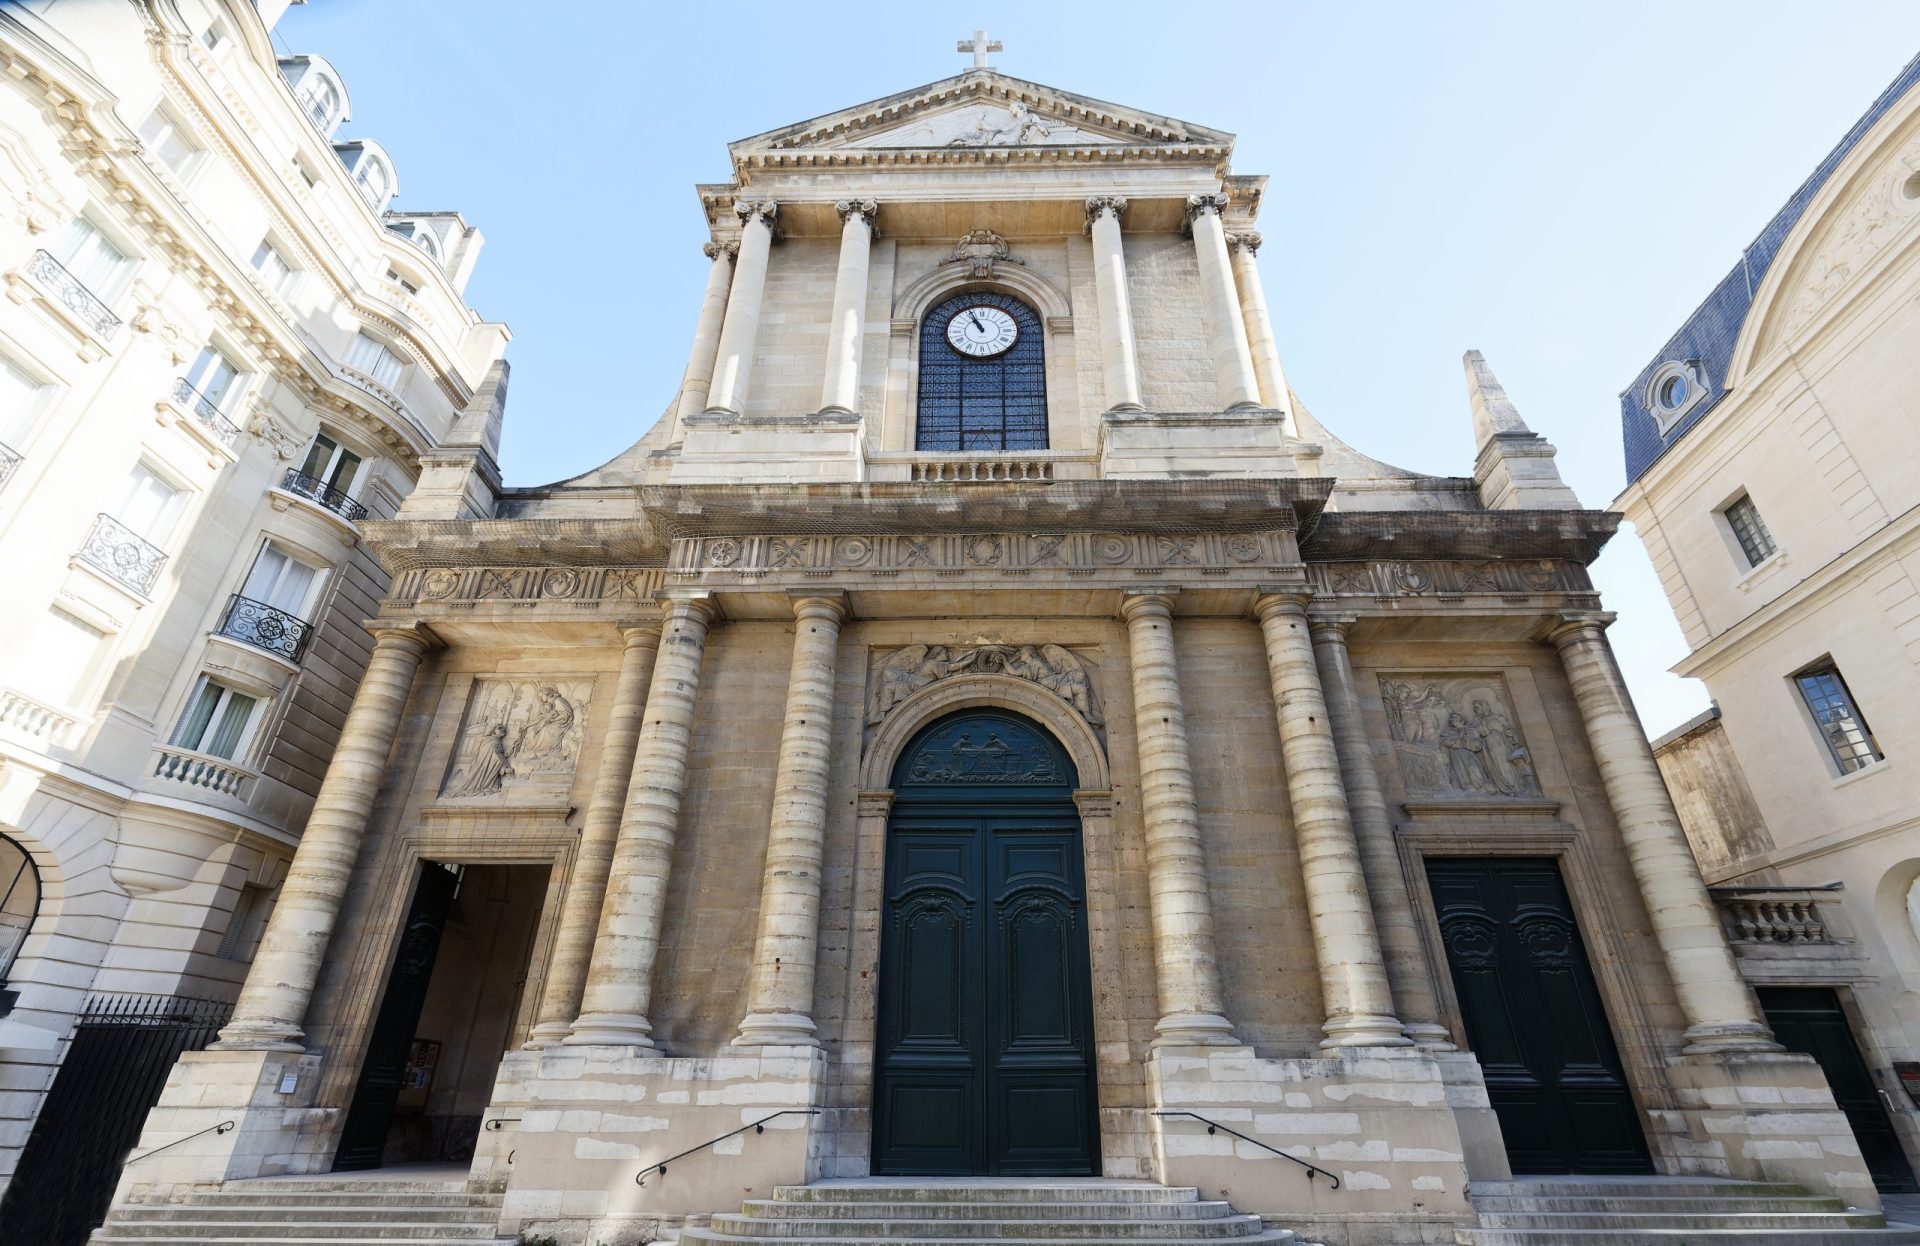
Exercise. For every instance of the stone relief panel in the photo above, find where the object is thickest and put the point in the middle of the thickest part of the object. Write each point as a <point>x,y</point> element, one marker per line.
<point>1877,214</point>
<point>898,674</point>
<point>463,586</point>
<point>520,739</point>
<point>1518,577</point>
<point>1005,552</point>
<point>1455,737</point>
<point>1012,124</point>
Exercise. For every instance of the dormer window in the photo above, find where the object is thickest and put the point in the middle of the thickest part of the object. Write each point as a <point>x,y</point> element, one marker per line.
<point>1676,388</point>
<point>375,181</point>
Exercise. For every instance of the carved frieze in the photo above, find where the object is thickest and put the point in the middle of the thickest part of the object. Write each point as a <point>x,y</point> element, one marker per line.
<point>1447,579</point>
<point>525,585</point>
<point>520,738</point>
<point>988,551</point>
<point>1455,737</point>
<point>900,673</point>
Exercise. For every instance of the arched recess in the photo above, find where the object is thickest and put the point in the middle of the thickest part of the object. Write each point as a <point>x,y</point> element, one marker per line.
<point>1084,747</point>
<point>20,900</point>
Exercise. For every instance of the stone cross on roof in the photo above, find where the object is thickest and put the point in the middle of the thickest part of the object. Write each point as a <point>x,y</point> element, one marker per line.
<point>979,45</point>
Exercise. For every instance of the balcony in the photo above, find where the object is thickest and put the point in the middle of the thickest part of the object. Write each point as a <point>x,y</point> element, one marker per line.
<point>218,426</point>
<point>83,304</point>
<point>21,715</point>
<point>203,771</point>
<point>322,494</point>
<point>1775,915</point>
<point>10,460</point>
<point>122,555</point>
<point>266,627</point>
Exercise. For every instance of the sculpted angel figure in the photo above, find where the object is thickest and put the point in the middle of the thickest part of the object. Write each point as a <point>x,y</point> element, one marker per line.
<point>544,741</point>
<point>485,764</point>
<point>905,671</point>
<point>1055,668</point>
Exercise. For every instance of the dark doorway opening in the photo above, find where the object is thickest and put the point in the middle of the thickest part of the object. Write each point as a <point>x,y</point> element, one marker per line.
<point>1809,1019</point>
<point>1534,1017</point>
<point>451,1009</point>
<point>985,1053</point>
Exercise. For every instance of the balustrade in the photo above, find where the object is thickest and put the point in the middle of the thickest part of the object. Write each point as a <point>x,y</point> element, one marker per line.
<point>1774,914</point>
<point>33,719</point>
<point>966,470</point>
<point>202,770</point>
<point>122,554</point>
<point>320,492</point>
<point>74,296</point>
<point>206,411</point>
<point>266,627</point>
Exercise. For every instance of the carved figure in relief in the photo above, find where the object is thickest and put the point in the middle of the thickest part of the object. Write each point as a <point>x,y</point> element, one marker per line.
<point>1455,736</point>
<point>1023,126</point>
<point>545,738</point>
<point>1507,760</point>
<point>485,766</point>
<point>520,736</point>
<point>906,671</point>
<point>1466,755</point>
<point>1054,667</point>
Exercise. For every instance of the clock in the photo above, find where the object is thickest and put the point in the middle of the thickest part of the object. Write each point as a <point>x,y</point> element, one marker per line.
<point>982,331</point>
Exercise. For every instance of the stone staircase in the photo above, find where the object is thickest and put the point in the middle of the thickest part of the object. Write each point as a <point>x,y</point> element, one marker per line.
<point>1011,1212</point>
<point>313,1211</point>
<point>1668,1211</point>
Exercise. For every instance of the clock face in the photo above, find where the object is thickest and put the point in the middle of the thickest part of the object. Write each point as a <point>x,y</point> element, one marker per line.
<point>981,331</point>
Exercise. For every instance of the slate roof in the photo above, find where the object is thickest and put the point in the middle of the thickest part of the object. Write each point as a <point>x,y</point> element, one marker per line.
<point>1710,333</point>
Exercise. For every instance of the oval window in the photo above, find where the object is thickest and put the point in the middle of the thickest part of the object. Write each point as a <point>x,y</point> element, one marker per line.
<point>1673,392</point>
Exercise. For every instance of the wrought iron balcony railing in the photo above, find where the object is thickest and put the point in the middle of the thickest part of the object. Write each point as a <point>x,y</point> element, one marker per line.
<point>123,554</point>
<point>317,490</point>
<point>74,296</point>
<point>10,460</point>
<point>224,430</point>
<point>266,627</point>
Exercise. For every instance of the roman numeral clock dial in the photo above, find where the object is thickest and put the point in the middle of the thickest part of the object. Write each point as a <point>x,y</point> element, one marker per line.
<point>982,331</point>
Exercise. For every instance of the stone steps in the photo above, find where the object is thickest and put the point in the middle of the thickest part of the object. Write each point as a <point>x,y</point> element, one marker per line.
<point>313,1211</point>
<point>1668,1211</point>
<point>1007,1213</point>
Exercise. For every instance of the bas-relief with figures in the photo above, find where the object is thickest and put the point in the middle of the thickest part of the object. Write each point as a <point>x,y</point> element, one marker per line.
<point>1029,776</point>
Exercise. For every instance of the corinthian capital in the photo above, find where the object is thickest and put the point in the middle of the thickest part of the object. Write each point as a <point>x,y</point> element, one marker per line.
<point>751,210</point>
<point>1249,240</point>
<point>1100,205</point>
<point>1199,205</point>
<point>715,249</point>
<point>865,209</point>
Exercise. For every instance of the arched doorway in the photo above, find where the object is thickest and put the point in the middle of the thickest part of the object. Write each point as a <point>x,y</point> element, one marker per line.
<point>984,1061</point>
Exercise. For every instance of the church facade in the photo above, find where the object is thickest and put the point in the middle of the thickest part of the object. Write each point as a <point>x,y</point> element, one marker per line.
<point>990,727</point>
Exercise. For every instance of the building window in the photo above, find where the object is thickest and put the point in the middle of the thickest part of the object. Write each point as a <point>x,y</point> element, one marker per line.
<point>280,276</point>
<point>281,581</point>
<point>1743,517</point>
<point>65,652</point>
<point>1841,724</point>
<point>332,464</point>
<point>374,181</point>
<point>149,505</point>
<point>983,376</point>
<point>23,400</point>
<point>374,361</point>
<point>215,378</point>
<point>19,901</point>
<point>169,142</point>
<point>218,720</point>
<point>91,260</point>
<point>1675,388</point>
<point>321,98</point>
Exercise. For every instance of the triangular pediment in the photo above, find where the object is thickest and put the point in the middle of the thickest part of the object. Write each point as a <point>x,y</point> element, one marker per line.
<point>982,109</point>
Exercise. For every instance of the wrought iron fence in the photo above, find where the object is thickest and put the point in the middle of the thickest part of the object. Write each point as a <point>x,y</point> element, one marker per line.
<point>204,409</point>
<point>123,554</point>
<point>10,460</point>
<point>266,627</point>
<point>317,490</point>
<point>74,296</point>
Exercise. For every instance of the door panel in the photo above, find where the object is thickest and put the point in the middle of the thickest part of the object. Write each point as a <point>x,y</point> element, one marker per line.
<point>1534,1017</point>
<point>1810,1020</point>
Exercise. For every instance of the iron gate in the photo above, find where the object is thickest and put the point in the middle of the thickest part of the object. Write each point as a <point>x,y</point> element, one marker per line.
<point>90,1120</point>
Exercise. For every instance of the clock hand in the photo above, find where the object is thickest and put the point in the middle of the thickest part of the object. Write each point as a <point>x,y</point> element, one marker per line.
<point>976,321</point>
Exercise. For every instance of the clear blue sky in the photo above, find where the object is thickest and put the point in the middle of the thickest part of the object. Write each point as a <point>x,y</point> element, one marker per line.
<point>1556,185</point>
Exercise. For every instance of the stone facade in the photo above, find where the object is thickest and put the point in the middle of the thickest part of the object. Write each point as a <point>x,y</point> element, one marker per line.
<point>1208,602</point>
<point>193,277</point>
<point>1775,487</point>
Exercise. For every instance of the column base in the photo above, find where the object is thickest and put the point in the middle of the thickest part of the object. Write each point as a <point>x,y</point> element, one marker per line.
<point>611,1029</point>
<point>1193,1029</point>
<point>547,1034</point>
<point>259,1036</point>
<point>1429,1037</point>
<point>1707,1040</point>
<point>1365,1030</point>
<point>776,1029</point>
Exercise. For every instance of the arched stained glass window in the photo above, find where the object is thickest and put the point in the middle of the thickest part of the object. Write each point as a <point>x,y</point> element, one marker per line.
<point>975,392</point>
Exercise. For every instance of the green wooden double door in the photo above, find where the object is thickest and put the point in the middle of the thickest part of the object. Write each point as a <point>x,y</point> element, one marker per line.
<point>984,1061</point>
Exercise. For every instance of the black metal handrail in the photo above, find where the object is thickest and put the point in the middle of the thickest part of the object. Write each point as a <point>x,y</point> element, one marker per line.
<point>73,293</point>
<point>123,554</point>
<point>206,410</point>
<point>221,1128</point>
<point>1291,1159</point>
<point>496,1123</point>
<point>255,623</point>
<point>315,489</point>
<point>759,1127</point>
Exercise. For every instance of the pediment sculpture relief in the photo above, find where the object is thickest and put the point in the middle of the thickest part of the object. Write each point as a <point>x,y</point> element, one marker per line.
<point>903,672</point>
<point>1455,737</point>
<point>520,738</point>
<point>1013,124</point>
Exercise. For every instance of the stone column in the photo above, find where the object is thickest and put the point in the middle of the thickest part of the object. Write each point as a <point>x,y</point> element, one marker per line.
<point>1192,1008</point>
<point>846,334</point>
<point>1119,365</point>
<point>1353,974</point>
<point>706,338</point>
<point>1406,962</point>
<point>1253,310</point>
<point>780,990</point>
<point>619,990</point>
<point>280,982</point>
<point>1719,1010</point>
<point>1226,331</point>
<point>587,888</point>
<point>733,357</point>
